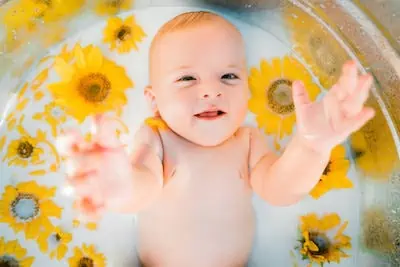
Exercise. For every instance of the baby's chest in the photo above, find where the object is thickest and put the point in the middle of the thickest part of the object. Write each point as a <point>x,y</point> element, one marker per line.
<point>202,170</point>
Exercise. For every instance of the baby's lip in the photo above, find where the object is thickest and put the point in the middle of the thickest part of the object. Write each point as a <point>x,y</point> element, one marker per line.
<point>210,114</point>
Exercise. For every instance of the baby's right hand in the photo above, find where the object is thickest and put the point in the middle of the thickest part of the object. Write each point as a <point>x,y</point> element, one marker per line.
<point>99,172</point>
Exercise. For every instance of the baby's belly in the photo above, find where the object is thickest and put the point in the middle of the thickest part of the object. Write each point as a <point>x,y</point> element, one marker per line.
<point>198,227</point>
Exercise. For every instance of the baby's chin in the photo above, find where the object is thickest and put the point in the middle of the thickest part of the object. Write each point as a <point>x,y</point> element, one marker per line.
<point>209,137</point>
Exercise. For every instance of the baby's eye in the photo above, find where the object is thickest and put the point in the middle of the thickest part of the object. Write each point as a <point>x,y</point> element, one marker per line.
<point>186,78</point>
<point>229,76</point>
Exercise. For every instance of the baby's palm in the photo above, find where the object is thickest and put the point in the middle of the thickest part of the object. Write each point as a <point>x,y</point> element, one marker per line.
<point>98,170</point>
<point>325,124</point>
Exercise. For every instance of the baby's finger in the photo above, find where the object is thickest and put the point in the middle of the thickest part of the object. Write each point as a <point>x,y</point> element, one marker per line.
<point>88,209</point>
<point>355,123</point>
<point>105,131</point>
<point>68,143</point>
<point>348,81</point>
<point>354,103</point>
<point>332,108</point>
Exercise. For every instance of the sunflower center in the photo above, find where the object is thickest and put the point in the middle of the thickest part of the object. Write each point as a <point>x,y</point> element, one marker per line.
<point>85,262</point>
<point>358,153</point>
<point>115,3</point>
<point>94,87</point>
<point>279,96</point>
<point>123,33</point>
<point>322,242</point>
<point>323,55</point>
<point>25,149</point>
<point>7,261</point>
<point>25,207</point>
<point>46,2</point>
<point>57,237</point>
<point>327,169</point>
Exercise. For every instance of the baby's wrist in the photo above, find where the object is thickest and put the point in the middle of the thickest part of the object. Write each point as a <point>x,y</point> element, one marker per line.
<point>311,147</point>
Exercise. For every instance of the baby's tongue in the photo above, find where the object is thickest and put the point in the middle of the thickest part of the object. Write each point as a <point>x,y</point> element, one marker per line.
<point>208,114</point>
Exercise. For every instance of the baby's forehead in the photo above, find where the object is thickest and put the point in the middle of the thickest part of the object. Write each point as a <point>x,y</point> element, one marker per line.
<point>190,21</point>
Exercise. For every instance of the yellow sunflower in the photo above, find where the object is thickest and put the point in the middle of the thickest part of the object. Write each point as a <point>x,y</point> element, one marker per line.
<point>28,207</point>
<point>53,115</point>
<point>91,84</point>
<point>112,7</point>
<point>315,45</point>
<point>374,150</point>
<point>377,231</point>
<point>87,256</point>
<point>317,245</point>
<point>271,90</point>
<point>23,15</point>
<point>59,9</point>
<point>13,254</point>
<point>334,175</point>
<point>123,34</point>
<point>58,239</point>
<point>24,151</point>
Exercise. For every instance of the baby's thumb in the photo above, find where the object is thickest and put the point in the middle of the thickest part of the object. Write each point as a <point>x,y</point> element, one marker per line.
<point>105,131</point>
<point>300,96</point>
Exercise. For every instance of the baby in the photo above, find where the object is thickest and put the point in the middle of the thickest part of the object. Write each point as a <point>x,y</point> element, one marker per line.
<point>193,169</point>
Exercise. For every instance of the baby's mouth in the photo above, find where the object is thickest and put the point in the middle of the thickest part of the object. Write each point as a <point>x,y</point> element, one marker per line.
<point>210,115</point>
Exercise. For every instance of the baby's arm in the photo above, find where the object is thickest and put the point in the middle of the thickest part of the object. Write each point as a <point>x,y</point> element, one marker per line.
<point>147,176</point>
<point>286,179</point>
<point>320,127</point>
<point>104,177</point>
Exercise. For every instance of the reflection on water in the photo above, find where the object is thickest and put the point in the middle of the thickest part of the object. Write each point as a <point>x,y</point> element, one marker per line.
<point>31,27</point>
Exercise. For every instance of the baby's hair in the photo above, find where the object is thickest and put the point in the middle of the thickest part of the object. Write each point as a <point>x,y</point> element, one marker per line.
<point>189,19</point>
<point>186,20</point>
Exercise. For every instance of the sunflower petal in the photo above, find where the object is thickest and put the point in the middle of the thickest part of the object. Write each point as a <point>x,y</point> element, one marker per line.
<point>95,59</point>
<point>64,70</point>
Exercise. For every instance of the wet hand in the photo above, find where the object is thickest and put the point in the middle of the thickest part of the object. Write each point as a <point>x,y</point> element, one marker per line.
<point>98,171</point>
<point>325,124</point>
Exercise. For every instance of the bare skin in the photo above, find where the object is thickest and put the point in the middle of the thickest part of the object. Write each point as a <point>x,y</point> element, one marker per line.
<point>191,181</point>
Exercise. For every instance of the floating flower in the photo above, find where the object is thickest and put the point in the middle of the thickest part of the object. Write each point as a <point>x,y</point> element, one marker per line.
<point>316,45</point>
<point>123,35</point>
<point>27,207</point>
<point>112,7</point>
<point>91,84</point>
<point>58,240</point>
<point>374,150</point>
<point>54,115</point>
<point>156,123</point>
<point>58,9</point>
<point>316,244</point>
<point>13,254</point>
<point>23,152</point>
<point>271,89</point>
<point>23,14</point>
<point>27,150</point>
<point>87,256</point>
<point>334,175</point>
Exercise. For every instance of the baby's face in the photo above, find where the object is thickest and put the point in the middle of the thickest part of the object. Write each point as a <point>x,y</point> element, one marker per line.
<point>199,81</point>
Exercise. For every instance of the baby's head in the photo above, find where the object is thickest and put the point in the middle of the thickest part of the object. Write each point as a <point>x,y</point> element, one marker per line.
<point>198,77</point>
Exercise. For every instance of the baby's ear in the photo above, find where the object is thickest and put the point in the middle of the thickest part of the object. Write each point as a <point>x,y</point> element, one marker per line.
<point>151,99</point>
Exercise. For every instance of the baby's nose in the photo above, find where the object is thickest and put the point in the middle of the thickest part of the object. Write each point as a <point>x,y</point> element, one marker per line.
<point>211,94</point>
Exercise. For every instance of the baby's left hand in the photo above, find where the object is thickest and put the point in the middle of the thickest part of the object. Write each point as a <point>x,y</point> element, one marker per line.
<point>325,124</point>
